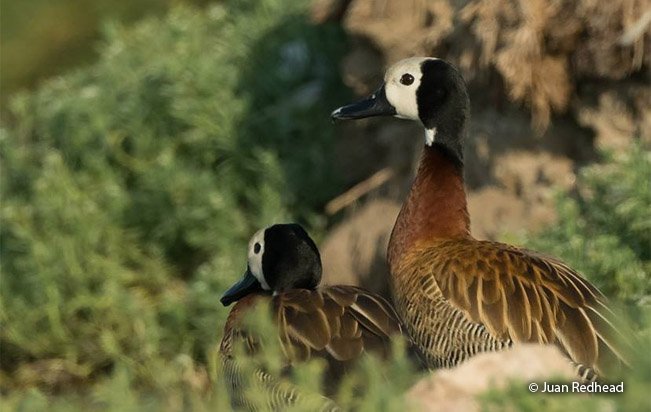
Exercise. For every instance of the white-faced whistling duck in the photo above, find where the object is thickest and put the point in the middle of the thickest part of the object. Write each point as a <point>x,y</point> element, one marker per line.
<point>337,323</point>
<point>456,295</point>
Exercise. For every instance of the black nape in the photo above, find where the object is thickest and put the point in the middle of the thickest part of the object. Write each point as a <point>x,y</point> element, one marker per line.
<point>443,104</point>
<point>291,258</point>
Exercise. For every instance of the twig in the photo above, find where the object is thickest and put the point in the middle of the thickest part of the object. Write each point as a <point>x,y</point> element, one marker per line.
<point>357,191</point>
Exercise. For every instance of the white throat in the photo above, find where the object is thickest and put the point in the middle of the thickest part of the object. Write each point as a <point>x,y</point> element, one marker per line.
<point>430,135</point>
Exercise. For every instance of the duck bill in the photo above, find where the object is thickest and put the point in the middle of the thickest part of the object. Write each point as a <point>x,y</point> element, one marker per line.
<point>374,105</point>
<point>247,285</point>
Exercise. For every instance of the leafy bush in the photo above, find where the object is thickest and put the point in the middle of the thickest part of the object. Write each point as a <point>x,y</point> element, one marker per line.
<point>131,187</point>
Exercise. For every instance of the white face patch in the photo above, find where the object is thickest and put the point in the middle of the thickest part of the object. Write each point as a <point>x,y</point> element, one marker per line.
<point>430,135</point>
<point>256,250</point>
<point>403,96</point>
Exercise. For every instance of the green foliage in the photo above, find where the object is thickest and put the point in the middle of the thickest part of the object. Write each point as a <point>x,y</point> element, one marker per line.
<point>604,230</point>
<point>379,385</point>
<point>119,393</point>
<point>518,398</point>
<point>131,187</point>
<point>42,38</point>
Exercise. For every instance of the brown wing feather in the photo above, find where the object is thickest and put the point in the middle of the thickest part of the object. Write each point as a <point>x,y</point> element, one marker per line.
<point>526,297</point>
<point>304,318</point>
<point>373,313</point>
<point>335,321</point>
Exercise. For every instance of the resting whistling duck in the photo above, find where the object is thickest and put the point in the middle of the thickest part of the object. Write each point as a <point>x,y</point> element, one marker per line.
<point>337,323</point>
<point>456,295</point>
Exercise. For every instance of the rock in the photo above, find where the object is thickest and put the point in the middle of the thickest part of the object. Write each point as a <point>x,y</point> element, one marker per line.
<point>456,389</point>
<point>354,252</point>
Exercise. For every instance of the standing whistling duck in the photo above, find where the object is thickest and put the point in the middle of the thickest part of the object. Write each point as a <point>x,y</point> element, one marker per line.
<point>337,323</point>
<point>458,296</point>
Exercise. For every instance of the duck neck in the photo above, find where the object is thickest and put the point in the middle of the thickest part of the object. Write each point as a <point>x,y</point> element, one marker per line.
<point>436,205</point>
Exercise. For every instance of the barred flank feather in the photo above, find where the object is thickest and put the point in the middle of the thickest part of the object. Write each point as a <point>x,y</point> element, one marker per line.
<point>278,394</point>
<point>461,297</point>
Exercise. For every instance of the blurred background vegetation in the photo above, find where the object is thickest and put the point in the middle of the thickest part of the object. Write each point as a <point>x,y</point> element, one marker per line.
<point>142,143</point>
<point>41,38</point>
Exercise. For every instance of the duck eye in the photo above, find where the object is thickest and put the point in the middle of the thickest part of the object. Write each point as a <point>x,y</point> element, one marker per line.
<point>407,79</point>
<point>256,248</point>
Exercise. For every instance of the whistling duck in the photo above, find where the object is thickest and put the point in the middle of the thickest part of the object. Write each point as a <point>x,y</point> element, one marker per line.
<point>456,295</point>
<point>337,323</point>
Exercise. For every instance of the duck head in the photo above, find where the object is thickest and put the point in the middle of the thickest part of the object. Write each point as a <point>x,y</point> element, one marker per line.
<point>428,90</point>
<point>280,257</point>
